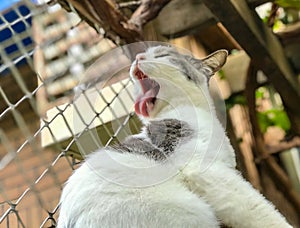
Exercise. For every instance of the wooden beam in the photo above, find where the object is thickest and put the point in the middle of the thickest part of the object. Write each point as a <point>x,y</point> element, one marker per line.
<point>181,18</point>
<point>261,45</point>
<point>216,37</point>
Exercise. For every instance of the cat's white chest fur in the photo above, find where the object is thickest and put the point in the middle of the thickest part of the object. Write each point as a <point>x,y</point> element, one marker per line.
<point>179,171</point>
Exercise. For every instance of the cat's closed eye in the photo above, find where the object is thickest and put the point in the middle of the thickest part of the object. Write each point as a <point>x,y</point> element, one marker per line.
<point>161,55</point>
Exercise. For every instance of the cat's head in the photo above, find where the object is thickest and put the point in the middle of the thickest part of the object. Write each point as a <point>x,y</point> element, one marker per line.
<point>165,78</point>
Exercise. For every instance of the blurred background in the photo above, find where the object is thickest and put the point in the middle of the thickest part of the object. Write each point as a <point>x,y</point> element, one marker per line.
<point>65,91</point>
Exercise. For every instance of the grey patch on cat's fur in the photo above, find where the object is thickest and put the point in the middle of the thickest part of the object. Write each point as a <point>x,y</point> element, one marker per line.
<point>193,69</point>
<point>167,133</point>
<point>164,135</point>
<point>140,146</point>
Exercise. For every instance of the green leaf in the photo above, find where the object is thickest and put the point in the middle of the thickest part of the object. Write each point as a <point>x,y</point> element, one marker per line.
<point>279,118</point>
<point>235,99</point>
<point>288,3</point>
<point>259,94</point>
<point>273,117</point>
<point>221,74</point>
<point>263,121</point>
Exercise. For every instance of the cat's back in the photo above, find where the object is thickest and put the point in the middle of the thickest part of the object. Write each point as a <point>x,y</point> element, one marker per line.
<point>92,198</point>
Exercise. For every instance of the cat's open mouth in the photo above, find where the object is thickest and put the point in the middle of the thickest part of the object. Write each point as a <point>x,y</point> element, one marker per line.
<point>145,101</point>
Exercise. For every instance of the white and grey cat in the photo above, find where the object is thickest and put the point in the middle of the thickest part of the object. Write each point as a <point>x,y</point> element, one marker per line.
<point>179,171</point>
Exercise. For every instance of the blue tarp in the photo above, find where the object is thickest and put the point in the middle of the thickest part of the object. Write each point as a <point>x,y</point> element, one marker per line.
<point>6,32</point>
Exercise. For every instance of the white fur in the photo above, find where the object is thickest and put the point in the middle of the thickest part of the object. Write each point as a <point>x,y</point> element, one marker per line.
<point>197,186</point>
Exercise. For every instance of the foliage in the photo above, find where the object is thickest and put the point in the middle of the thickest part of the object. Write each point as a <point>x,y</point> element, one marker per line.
<point>235,99</point>
<point>259,94</point>
<point>281,13</point>
<point>221,74</point>
<point>288,3</point>
<point>273,117</point>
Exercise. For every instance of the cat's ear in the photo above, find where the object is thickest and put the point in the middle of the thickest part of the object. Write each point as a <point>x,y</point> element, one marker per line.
<point>215,60</point>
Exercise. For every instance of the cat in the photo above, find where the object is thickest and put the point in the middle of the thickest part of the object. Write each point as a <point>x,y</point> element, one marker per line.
<point>179,171</point>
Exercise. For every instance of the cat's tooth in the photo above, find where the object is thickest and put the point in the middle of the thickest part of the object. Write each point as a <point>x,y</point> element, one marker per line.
<point>149,105</point>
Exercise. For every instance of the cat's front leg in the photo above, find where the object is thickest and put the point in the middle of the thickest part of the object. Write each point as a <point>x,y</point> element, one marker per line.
<point>235,201</point>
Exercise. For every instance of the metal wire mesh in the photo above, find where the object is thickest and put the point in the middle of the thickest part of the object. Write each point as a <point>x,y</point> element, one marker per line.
<point>39,68</point>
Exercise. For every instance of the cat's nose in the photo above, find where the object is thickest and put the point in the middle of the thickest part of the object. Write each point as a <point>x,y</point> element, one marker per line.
<point>140,57</point>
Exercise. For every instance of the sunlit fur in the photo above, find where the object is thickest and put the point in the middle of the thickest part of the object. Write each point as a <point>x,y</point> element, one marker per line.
<point>172,79</point>
<point>197,186</point>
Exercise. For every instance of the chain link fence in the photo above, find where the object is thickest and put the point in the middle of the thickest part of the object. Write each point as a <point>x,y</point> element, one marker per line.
<point>57,104</point>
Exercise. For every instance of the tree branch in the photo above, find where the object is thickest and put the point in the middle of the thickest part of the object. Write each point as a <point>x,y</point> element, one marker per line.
<point>147,11</point>
<point>284,145</point>
<point>106,14</point>
<point>129,4</point>
<point>114,20</point>
<point>278,176</point>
